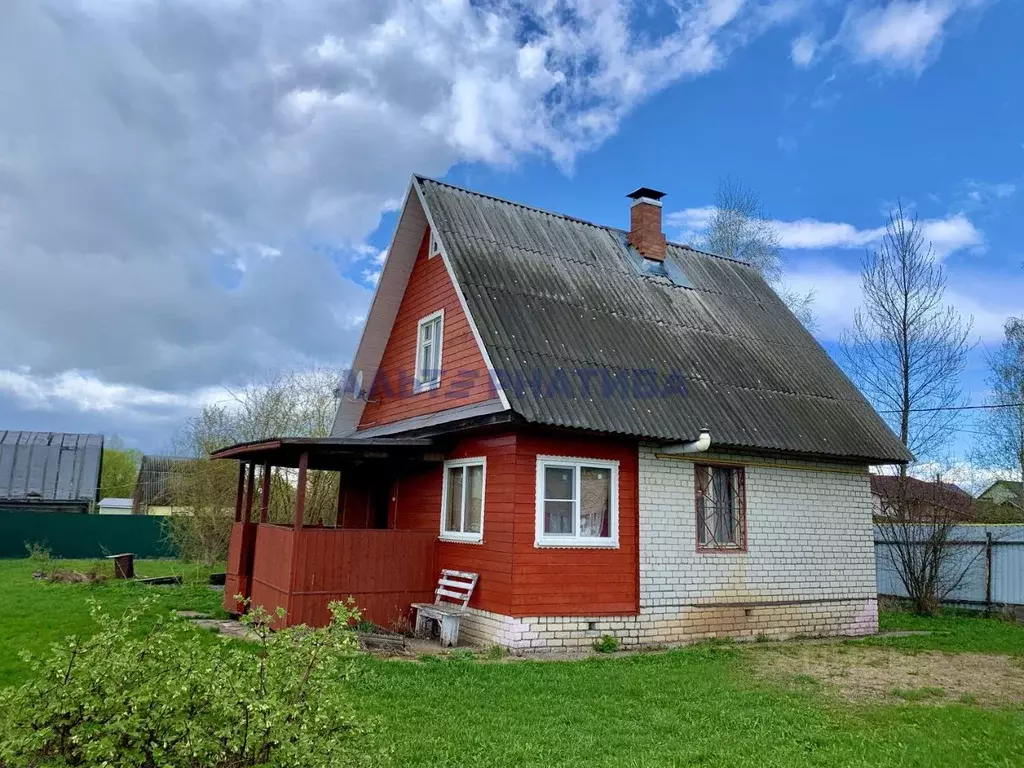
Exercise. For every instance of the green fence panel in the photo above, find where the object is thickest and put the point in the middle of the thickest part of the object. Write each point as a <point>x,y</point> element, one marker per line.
<point>72,535</point>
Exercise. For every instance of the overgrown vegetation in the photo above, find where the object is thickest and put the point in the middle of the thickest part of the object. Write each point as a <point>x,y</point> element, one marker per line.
<point>170,697</point>
<point>296,404</point>
<point>606,644</point>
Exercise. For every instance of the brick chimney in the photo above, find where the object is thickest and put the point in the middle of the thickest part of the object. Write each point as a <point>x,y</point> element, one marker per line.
<point>645,223</point>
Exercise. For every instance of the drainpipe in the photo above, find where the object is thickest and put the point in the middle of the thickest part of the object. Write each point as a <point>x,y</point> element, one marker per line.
<point>699,445</point>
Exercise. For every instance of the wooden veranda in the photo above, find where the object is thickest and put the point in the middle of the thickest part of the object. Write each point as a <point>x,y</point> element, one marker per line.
<point>302,567</point>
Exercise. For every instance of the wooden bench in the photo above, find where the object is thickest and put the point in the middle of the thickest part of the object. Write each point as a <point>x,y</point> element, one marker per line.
<point>454,589</point>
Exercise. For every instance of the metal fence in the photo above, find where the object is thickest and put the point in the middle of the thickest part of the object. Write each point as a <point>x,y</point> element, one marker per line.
<point>70,534</point>
<point>990,557</point>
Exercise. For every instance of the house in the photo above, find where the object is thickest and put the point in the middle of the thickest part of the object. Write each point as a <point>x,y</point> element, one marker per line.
<point>1004,492</point>
<point>925,499</point>
<point>112,506</point>
<point>154,484</point>
<point>49,471</point>
<point>619,434</point>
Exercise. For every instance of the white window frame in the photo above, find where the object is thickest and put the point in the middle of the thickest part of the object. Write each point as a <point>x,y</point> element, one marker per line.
<point>542,539</point>
<point>467,537</point>
<point>426,386</point>
<point>434,249</point>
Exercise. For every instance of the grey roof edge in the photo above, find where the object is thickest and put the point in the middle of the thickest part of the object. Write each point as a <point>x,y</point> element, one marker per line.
<point>419,178</point>
<point>487,408</point>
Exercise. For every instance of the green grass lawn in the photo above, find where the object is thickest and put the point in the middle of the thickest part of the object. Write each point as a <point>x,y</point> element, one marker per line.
<point>695,706</point>
<point>34,614</point>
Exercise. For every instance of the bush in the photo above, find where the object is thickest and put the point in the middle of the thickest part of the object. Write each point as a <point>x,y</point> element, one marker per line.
<point>176,696</point>
<point>606,644</point>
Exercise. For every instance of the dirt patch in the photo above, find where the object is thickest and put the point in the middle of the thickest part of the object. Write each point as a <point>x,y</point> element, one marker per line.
<point>859,674</point>
<point>64,576</point>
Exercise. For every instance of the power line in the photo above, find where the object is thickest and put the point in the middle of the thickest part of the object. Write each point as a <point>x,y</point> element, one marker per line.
<point>958,408</point>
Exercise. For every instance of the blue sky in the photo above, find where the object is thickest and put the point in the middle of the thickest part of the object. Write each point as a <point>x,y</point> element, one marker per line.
<point>206,194</point>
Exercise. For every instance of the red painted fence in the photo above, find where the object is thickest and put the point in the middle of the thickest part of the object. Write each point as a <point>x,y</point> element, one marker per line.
<point>385,571</point>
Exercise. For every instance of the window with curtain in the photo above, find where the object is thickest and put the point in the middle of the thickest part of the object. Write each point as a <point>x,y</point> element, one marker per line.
<point>721,508</point>
<point>577,502</point>
<point>428,351</point>
<point>462,513</point>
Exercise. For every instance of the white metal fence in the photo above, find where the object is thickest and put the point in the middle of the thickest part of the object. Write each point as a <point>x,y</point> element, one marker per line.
<point>991,557</point>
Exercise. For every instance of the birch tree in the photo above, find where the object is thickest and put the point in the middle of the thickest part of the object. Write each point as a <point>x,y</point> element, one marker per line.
<point>908,348</point>
<point>1001,440</point>
<point>740,229</point>
<point>907,351</point>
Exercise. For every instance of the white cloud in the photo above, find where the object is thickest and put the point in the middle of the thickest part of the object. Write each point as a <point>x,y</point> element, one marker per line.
<point>86,393</point>
<point>803,50</point>
<point>188,179</point>
<point>838,294</point>
<point>901,34</point>
<point>814,234</point>
<point>977,193</point>
<point>953,233</point>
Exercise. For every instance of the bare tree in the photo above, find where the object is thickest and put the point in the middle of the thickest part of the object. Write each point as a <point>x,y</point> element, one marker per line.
<point>917,521</point>
<point>294,404</point>
<point>1000,442</point>
<point>908,349</point>
<point>740,229</point>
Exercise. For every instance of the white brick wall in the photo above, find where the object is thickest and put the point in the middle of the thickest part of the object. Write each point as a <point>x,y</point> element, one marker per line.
<point>809,536</point>
<point>809,568</point>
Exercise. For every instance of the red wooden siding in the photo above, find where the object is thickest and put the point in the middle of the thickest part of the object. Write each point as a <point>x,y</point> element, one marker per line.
<point>384,571</point>
<point>238,579</point>
<point>516,578</point>
<point>574,582</point>
<point>419,508</point>
<point>272,573</point>
<point>388,570</point>
<point>464,376</point>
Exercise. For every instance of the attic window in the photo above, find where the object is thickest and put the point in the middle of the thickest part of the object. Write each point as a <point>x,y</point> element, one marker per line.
<point>435,246</point>
<point>429,335</point>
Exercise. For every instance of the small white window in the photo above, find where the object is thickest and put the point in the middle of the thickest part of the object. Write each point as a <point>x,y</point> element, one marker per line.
<point>462,500</point>
<point>577,502</point>
<point>435,246</point>
<point>428,352</point>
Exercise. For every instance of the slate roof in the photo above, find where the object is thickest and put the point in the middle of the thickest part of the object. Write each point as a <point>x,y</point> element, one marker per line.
<point>49,467</point>
<point>948,495</point>
<point>152,485</point>
<point>568,317</point>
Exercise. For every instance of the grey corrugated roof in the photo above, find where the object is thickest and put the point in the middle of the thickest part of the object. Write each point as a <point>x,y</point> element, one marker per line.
<point>152,485</point>
<point>49,466</point>
<point>551,293</point>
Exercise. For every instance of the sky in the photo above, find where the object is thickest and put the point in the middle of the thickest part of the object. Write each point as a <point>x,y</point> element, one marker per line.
<point>196,192</point>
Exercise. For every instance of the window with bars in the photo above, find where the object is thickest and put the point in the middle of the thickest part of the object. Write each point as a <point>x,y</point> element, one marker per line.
<point>721,508</point>
<point>462,513</point>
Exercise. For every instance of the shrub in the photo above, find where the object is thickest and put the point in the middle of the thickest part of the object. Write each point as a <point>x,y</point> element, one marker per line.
<point>176,696</point>
<point>606,644</point>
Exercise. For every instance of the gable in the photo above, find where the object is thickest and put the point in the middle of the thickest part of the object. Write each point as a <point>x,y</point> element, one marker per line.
<point>465,378</point>
<point>582,339</point>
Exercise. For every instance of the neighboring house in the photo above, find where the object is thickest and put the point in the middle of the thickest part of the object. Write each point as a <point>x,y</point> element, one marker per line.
<point>112,506</point>
<point>926,499</point>
<point>528,402</point>
<point>1003,492</point>
<point>154,486</point>
<point>49,471</point>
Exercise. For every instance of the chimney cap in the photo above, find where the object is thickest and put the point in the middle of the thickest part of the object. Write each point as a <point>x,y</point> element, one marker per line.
<point>641,192</point>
